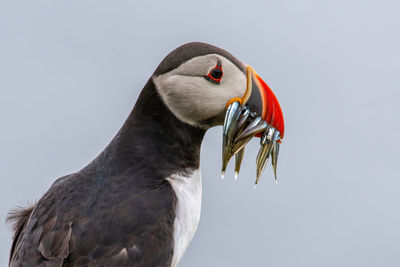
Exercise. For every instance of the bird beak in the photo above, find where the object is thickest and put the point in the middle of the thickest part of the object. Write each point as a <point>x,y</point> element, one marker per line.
<point>256,113</point>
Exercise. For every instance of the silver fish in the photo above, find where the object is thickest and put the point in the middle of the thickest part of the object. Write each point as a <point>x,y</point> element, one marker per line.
<point>244,136</point>
<point>238,162</point>
<point>274,157</point>
<point>263,139</point>
<point>243,120</point>
<point>240,144</point>
<point>264,152</point>
<point>240,126</point>
<point>275,152</point>
<point>231,120</point>
<point>256,126</point>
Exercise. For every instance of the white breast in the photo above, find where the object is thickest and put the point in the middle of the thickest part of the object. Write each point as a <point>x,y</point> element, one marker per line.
<point>188,207</point>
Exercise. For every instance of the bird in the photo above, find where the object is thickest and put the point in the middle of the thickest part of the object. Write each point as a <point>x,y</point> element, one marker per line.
<point>138,203</point>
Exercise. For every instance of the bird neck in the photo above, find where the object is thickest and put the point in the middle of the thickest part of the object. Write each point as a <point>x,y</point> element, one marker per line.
<point>154,139</point>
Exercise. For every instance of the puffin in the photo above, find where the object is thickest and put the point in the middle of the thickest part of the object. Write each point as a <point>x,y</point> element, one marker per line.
<point>138,202</point>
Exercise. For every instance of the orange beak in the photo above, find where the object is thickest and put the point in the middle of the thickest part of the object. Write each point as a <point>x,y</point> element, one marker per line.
<point>261,100</point>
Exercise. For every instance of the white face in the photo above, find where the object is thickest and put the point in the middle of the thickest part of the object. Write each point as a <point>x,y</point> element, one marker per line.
<point>194,99</point>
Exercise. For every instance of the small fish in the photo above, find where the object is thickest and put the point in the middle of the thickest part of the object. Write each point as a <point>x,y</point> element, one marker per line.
<point>275,152</point>
<point>256,126</point>
<point>264,152</point>
<point>231,120</point>
<point>241,144</point>
<point>240,126</point>
<point>238,161</point>
<point>244,118</point>
<point>274,158</point>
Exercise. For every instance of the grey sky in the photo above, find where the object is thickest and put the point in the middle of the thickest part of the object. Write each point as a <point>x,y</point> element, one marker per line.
<point>70,72</point>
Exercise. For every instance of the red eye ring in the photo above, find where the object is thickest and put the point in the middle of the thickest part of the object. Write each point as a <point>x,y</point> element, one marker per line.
<point>215,74</point>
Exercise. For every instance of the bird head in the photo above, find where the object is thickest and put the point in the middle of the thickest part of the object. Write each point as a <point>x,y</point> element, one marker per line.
<point>206,86</point>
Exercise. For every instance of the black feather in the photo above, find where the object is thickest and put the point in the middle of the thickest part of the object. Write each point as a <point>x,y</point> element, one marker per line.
<point>120,209</point>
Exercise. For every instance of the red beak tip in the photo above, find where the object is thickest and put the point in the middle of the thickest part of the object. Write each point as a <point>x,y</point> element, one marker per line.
<point>272,112</point>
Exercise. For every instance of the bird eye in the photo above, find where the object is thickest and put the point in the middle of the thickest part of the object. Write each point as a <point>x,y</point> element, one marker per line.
<point>215,75</point>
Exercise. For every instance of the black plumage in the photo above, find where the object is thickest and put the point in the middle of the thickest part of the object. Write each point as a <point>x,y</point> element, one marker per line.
<point>119,210</point>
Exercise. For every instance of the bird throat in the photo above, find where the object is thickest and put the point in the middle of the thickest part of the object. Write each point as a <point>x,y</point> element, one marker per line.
<point>153,136</point>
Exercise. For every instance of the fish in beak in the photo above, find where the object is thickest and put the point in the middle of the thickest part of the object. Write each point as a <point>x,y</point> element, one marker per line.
<point>256,113</point>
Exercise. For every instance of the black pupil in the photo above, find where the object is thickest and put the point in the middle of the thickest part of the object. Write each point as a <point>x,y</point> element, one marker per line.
<point>216,73</point>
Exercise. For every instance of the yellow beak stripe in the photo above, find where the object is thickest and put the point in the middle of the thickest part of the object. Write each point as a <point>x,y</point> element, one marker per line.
<point>243,100</point>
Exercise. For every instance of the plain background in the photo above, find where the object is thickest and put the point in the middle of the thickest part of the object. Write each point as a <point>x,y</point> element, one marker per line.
<point>70,73</point>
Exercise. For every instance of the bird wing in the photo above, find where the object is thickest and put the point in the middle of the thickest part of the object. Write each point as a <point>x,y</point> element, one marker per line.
<point>39,240</point>
<point>71,227</point>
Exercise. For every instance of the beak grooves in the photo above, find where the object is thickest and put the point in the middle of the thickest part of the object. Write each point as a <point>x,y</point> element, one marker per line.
<point>266,102</point>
